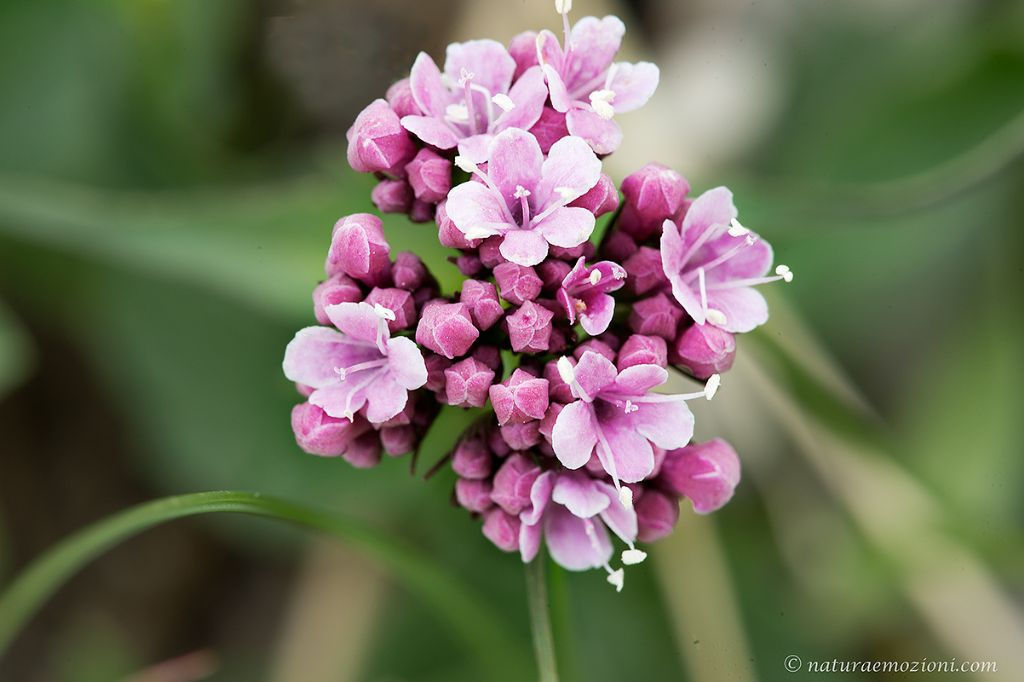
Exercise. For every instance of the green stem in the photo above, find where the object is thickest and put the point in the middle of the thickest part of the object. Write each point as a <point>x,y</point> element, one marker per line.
<point>469,621</point>
<point>540,623</point>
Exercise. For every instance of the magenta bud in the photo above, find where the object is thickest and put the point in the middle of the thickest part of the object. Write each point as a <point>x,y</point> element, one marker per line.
<point>497,444</point>
<point>552,272</point>
<point>436,365</point>
<point>644,271</point>
<point>469,265</point>
<point>334,290</point>
<point>401,100</point>
<point>446,328</point>
<point>521,436</point>
<point>467,382</point>
<point>430,175</point>
<point>586,249</point>
<point>549,128</point>
<point>619,246</point>
<point>421,211</point>
<point>643,350</point>
<point>489,252</point>
<point>523,49</point>
<point>601,199</point>
<point>529,328</point>
<point>547,424</point>
<point>472,459</point>
<point>364,452</point>
<point>558,389</point>
<point>655,316</point>
<point>656,515</point>
<point>512,483</point>
<point>473,494</point>
<point>448,234</point>
<point>377,142</point>
<point>318,433</point>
<point>408,271</point>
<point>482,300</point>
<point>598,346</point>
<point>519,398</point>
<point>517,283</point>
<point>653,193</point>
<point>707,473</point>
<point>398,301</point>
<point>392,196</point>
<point>703,350</point>
<point>502,529</point>
<point>359,249</point>
<point>398,440</point>
<point>489,355</point>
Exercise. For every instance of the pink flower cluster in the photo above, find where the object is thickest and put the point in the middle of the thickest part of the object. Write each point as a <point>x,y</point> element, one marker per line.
<point>581,442</point>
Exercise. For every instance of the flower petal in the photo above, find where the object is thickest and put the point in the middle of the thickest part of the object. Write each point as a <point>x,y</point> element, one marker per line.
<point>639,379</point>
<point>619,519</point>
<point>631,453</point>
<point>488,60</point>
<point>603,135</point>
<point>385,398</point>
<point>312,355</point>
<point>567,227</point>
<point>576,544</point>
<point>406,363</point>
<point>598,314</point>
<point>524,247</point>
<point>578,493</point>
<point>594,45</point>
<point>431,130</point>
<point>633,85</point>
<point>540,495</point>
<point>668,425</point>
<point>594,372</point>
<point>569,172</point>
<point>713,207</point>
<point>359,321</point>
<point>477,210</point>
<point>341,400</point>
<point>514,159</point>
<point>673,250</point>
<point>744,308</point>
<point>560,99</point>
<point>573,436</point>
<point>428,91</point>
<point>528,94</point>
<point>474,148</point>
<point>529,541</point>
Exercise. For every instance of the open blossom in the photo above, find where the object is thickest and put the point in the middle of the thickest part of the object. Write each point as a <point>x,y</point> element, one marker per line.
<point>356,365</point>
<point>584,294</point>
<point>524,197</point>
<point>713,264</point>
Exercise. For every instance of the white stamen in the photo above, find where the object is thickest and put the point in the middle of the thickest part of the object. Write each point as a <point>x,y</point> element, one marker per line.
<point>563,6</point>
<point>504,101</point>
<point>601,101</point>
<point>716,317</point>
<point>618,272</point>
<point>567,193</point>
<point>736,229</point>
<point>633,556</point>
<point>457,112</point>
<point>711,388</point>
<point>626,497</point>
<point>521,192</point>
<point>566,370</point>
<point>465,75</point>
<point>465,164</point>
<point>384,313</point>
<point>595,276</point>
<point>341,372</point>
<point>616,578</point>
<point>631,407</point>
<point>784,272</point>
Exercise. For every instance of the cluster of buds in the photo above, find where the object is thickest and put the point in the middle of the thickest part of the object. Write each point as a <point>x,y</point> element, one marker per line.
<point>503,150</point>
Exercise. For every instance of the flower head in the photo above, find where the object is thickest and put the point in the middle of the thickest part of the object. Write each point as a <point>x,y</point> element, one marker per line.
<point>585,294</point>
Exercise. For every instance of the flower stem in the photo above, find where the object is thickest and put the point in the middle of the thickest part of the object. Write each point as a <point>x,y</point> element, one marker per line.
<point>540,623</point>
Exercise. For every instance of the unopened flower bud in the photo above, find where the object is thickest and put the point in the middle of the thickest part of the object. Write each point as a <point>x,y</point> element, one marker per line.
<point>318,433</point>
<point>482,300</point>
<point>502,529</point>
<point>401,100</point>
<point>549,128</point>
<point>377,142</point>
<point>602,198</point>
<point>398,440</point>
<point>399,302</point>
<point>529,328</point>
<point>653,193</point>
<point>467,383</point>
<point>519,398</point>
<point>619,246</point>
<point>469,265</point>
<point>448,234</point>
<point>334,290</point>
<point>430,176</point>
<point>597,346</point>
<point>364,452</point>
<point>408,271</point>
<point>656,515</point>
<point>446,329</point>
<point>655,316</point>
<point>643,350</point>
<point>558,389</point>
<point>490,254</point>
<point>436,365</point>
<point>552,272</point>
<point>512,483</point>
<point>392,196</point>
<point>521,436</point>
<point>359,249</point>
<point>473,494</point>
<point>517,283</point>
<point>706,473</point>
<point>421,211</point>
<point>703,350</point>
<point>644,271</point>
<point>472,459</point>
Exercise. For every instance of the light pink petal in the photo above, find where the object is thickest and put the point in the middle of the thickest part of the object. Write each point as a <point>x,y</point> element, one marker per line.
<point>523,247</point>
<point>668,425</point>
<point>631,453</point>
<point>529,540</point>
<point>359,321</point>
<point>579,493</point>
<point>528,94</point>
<point>488,60</point>
<point>673,249</point>
<point>560,99</point>
<point>431,130</point>
<point>550,49</point>
<point>620,520</point>
<point>633,85</point>
<point>312,355</point>
<point>567,227</point>
<point>594,44</point>
<point>598,315</point>
<point>428,91</point>
<point>384,398</point>
<point>744,308</point>
<point>540,495</point>
<point>475,148</point>
<point>573,436</point>
<point>752,260</point>
<point>594,372</point>
<point>406,363</point>
<point>603,135</point>
<point>639,379</point>
<point>713,207</point>
<point>340,401</point>
<point>570,543</point>
<point>569,172</point>
<point>514,159</point>
<point>477,210</point>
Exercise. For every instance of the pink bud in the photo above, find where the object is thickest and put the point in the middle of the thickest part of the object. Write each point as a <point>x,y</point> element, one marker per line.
<point>597,346</point>
<point>469,265</point>
<point>446,328</point>
<point>436,365</point>
<point>552,272</point>
<point>601,199</point>
<point>474,495</point>
<point>707,473</point>
<point>430,175</point>
<point>401,100</point>
<point>472,458</point>
<point>586,249</point>
<point>489,252</point>
<point>656,515</point>
<point>529,328</point>
<point>408,271</point>
<point>398,440</point>
<point>521,436</point>
<point>653,193</point>
<point>392,196</point>
<point>519,398</point>
<point>513,482</point>
<point>334,290</point>
<point>467,383</point>
<point>549,128</point>
<point>619,246</point>
<point>488,355</point>
<point>558,389</point>
<point>421,211</point>
<point>318,433</point>
<point>377,142</point>
<point>448,234</point>
<point>703,350</point>
<point>643,350</point>
<point>502,529</point>
<point>364,452</point>
<point>517,283</point>
<point>482,300</point>
<point>523,49</point>
<point>397,301</point>
<point>644,271</point>
<point>359,249</point>
<point>547,424</point>
<point>655,316</point>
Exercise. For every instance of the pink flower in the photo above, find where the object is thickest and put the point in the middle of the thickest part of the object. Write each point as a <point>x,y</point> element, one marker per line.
<point>525,198</point>
<point>707,473</point>
<point>586,85</point>
<point>713,263</point>
<point>474,99</point>
<point>617,418</point>
<point>584,293</point>
<point>356,366</point>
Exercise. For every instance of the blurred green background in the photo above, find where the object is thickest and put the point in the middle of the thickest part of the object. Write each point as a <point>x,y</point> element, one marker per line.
<point>169,174</point>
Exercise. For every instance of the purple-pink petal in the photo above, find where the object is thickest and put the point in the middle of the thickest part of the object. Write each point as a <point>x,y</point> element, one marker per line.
<point>567,227</point>
<point>633,85</point>
<point>576,544</point>
<point>569,172</point>
<point>603,135</point>
<point>523,247</point>
<point>574,435</point>
<point>431,130</point>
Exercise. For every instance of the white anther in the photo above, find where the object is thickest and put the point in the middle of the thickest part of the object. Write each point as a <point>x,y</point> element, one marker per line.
<point>465,164</point>
<point>736,229</point>
<point>601,101</point>
<point>595,277</point>
<point>465,75</point>
<point>521,192</point>
<point>616,578</point>
<point>566,370</point>
<point>384,313</point>
<point>618,272</point>
<point>626,497</point>
<point>711,387</point>
<point>631,407</point>
<point>750,240</point>
<point>716,317</point>
<point>504,101</point>
<point>633,556</point>
<point>563,6</point>
<point>567,193</point>
<point>341,372</point>
<point>457,112</point>
<point>784,272</point>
